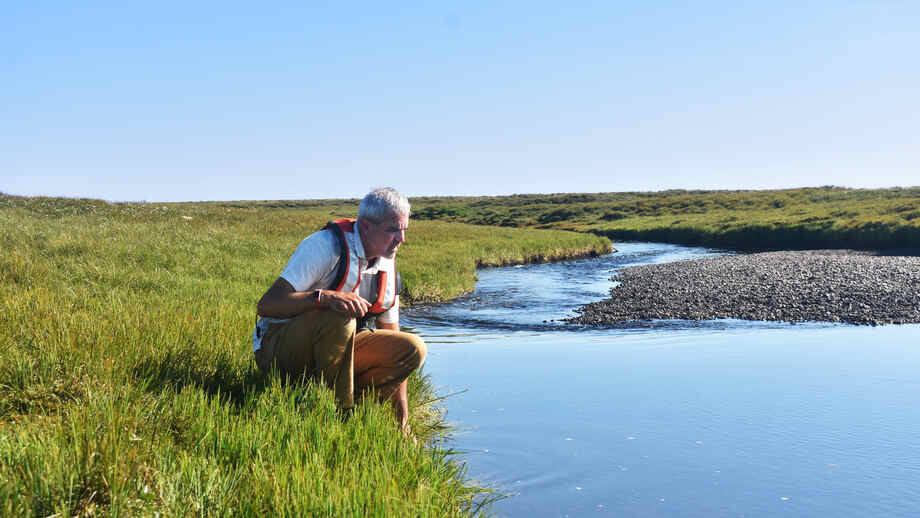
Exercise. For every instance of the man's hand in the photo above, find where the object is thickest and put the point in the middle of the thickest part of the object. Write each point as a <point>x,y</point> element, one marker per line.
<point>281,301</point>
<point>347,303</point>
<point>400,401</point>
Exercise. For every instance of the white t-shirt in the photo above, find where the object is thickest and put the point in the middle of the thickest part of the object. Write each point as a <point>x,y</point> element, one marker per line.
<point>313,264</point>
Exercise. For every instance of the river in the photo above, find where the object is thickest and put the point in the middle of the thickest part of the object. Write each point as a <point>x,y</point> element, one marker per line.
<point>671,418</point>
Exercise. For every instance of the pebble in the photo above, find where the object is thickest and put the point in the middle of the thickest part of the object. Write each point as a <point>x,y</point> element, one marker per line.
<point>856,287</point>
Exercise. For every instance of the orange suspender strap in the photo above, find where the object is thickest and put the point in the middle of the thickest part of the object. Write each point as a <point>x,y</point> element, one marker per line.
<point>381,293</point>
<point>338,228</point>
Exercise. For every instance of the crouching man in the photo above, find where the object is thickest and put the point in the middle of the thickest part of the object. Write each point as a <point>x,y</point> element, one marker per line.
<point>315,319</point>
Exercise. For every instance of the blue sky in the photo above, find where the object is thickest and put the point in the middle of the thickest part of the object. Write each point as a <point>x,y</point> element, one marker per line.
<point>177,101</point>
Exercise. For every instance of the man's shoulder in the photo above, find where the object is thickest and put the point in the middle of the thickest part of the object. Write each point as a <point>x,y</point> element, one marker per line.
<point>312,262</point>
<point>323,237</point>
<point>319,245</point>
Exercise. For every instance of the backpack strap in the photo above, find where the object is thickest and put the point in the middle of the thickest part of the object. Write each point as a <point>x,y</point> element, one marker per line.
<point>342,266</point>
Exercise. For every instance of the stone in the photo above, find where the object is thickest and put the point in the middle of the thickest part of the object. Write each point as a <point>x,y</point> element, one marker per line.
<point>793,286</point>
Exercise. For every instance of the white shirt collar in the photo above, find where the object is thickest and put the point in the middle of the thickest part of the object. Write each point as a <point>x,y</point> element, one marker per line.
<point>359,251</point>
<point>359,246</point>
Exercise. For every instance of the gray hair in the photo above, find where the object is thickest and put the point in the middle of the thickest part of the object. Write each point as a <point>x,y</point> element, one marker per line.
<point>383,202</point>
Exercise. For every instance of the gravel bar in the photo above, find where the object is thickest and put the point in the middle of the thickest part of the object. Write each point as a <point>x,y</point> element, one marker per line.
<point>857,287</point>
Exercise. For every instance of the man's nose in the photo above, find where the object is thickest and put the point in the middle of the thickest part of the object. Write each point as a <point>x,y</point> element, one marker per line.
<point>401,237</point>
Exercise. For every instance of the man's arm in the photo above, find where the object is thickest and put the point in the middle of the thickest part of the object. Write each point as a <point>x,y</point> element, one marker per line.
<point>282,301</point>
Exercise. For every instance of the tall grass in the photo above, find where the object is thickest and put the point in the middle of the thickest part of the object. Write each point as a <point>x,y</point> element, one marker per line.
<point>126,381</point>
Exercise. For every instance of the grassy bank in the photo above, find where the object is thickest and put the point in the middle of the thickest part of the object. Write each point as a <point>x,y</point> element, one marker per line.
<point>126,381</point>
<point>823,217</point>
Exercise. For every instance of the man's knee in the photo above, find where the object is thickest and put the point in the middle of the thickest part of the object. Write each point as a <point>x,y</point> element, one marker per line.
<point>333,334</point>
<point>326,325</point>
<point>328,317</point>
<point>310,342</point>
<point>336,328</point>
<point>418,351</point>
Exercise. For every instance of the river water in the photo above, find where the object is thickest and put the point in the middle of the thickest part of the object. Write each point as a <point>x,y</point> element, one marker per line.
<point>671,418</point>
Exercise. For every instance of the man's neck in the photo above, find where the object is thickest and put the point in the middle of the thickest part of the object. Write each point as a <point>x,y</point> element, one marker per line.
<point>359,226</point>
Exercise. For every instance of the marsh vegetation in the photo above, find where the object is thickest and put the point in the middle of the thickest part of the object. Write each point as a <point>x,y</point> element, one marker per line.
<point>821,217</point>
<point>126,380</point>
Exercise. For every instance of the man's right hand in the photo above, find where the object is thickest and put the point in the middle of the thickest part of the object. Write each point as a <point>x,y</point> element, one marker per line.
<point>281,301</point>
<point>347,303</point>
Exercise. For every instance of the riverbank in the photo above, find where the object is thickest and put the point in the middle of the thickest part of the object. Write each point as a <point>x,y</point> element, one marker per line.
<point>786,219</point>
<point>856,287</point>
<point>128,386</point>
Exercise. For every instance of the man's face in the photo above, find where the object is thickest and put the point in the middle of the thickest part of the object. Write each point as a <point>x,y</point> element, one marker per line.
<point>384,238</point>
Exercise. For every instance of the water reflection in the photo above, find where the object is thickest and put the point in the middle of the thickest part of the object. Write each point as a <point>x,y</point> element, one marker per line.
<point>538,297</point>
<point>672,418</point>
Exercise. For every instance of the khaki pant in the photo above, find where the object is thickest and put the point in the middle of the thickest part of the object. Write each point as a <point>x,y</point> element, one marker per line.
<point>323,345</point>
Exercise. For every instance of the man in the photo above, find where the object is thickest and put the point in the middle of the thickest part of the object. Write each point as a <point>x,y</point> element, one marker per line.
<point>313,316</point>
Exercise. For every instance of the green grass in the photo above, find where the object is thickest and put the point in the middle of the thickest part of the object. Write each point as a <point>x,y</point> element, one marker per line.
<point>126,381</point>
<point>822,217</point>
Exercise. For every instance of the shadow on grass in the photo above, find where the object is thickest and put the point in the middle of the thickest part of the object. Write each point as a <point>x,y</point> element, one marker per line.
<point>239,384</point>
<point>219,376</point>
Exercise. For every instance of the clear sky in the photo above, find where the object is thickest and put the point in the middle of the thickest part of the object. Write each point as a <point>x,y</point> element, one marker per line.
<point>166,101</point>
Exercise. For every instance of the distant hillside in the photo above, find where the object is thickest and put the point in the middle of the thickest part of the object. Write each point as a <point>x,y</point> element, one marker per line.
<point>821,217</point>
